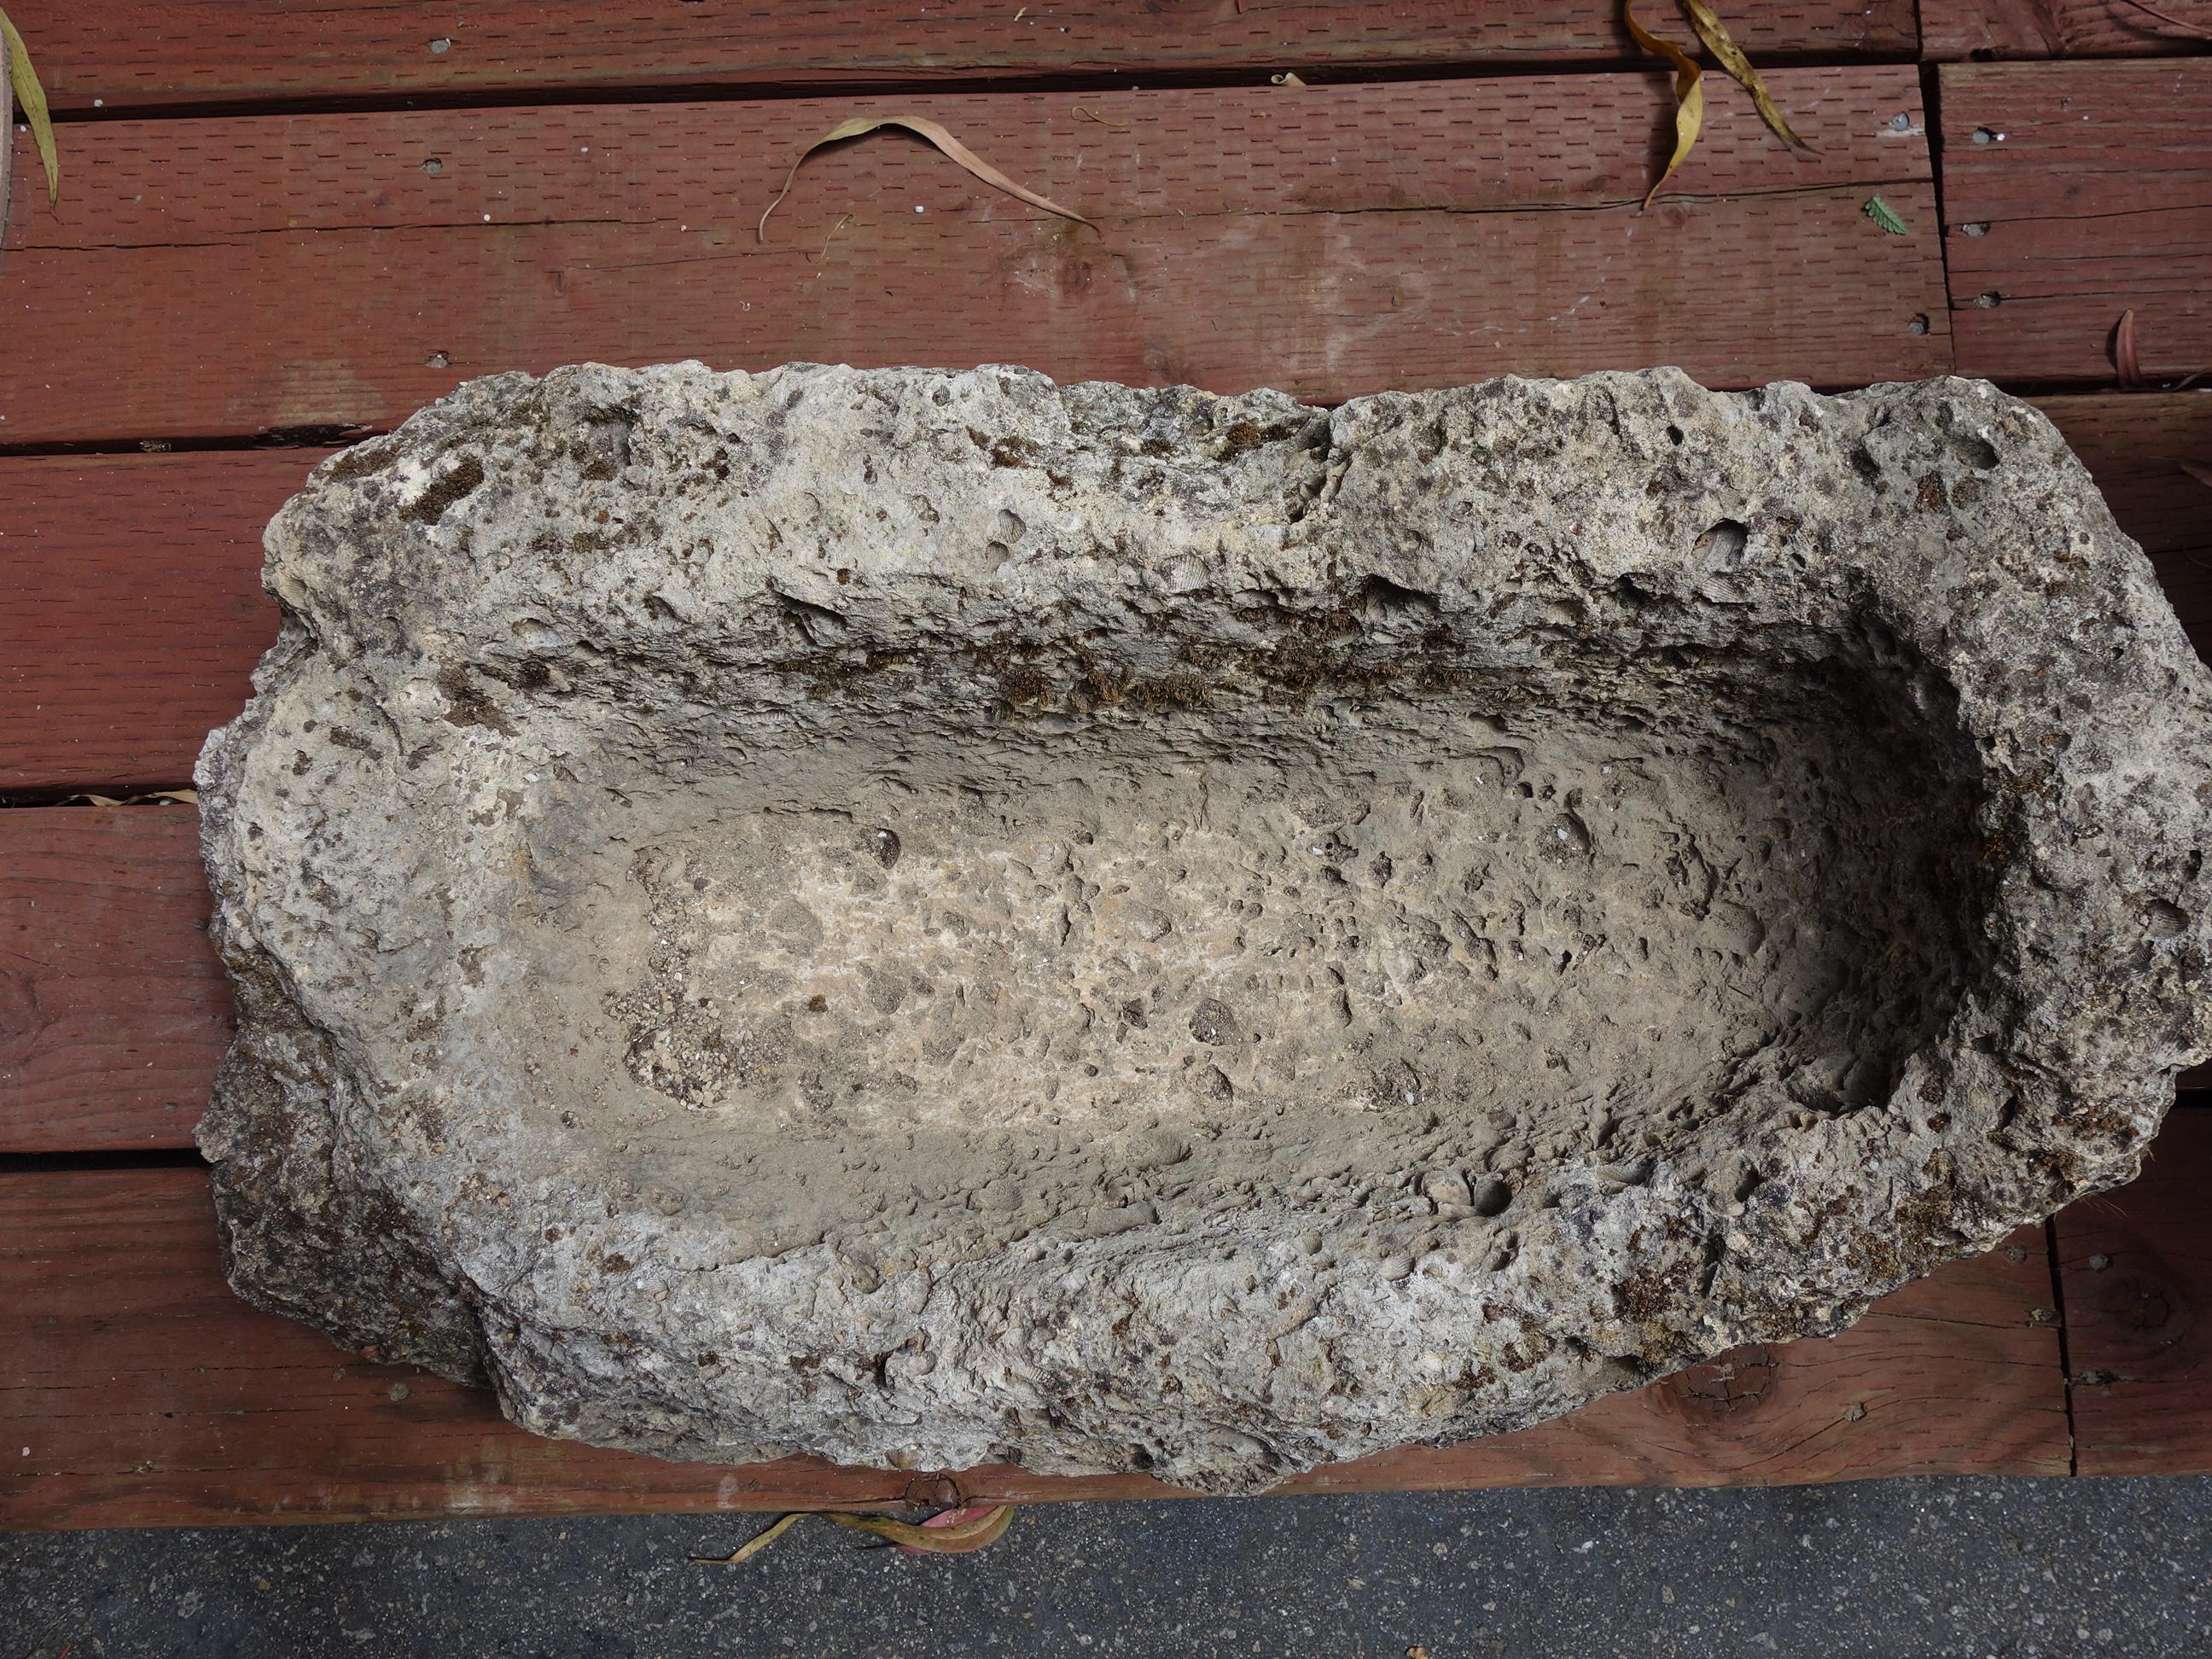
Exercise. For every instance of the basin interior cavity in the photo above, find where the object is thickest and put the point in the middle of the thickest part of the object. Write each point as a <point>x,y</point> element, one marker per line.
<point>925,990</point>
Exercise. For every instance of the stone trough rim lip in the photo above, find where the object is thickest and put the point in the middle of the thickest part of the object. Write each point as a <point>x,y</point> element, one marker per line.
<point>1733,1307</point>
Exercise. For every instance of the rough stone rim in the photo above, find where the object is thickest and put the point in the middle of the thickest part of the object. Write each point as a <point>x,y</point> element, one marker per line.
<point>2100,1005</point>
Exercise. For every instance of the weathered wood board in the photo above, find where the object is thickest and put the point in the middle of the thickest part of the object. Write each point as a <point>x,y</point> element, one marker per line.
<point>2073,193</point>
<point>2135,1268</point>
<point>144,1393</point>
<point>114,1009</point>
<point>131,612</point>
<point>341,270</point>
<point>126,53</point>
<point>1954,30</point>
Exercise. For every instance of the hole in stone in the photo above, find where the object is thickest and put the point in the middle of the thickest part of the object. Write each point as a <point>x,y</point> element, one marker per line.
<point>1491,1196</point>
<point>1383,600</point>
<point>1723,545</point>
<point>1977,452</point>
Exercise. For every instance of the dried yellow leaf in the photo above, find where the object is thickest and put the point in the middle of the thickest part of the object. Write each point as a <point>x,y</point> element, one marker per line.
<point>958,1539</point>
<point>1715,35</point>
<point>1689,94</point>
<point>2124,360</point>
<point>32,97</point>
<point>860,125</point>
<point>753,1545</point>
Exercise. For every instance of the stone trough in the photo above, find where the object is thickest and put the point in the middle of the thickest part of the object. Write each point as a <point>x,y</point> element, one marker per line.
<point>935,918</point>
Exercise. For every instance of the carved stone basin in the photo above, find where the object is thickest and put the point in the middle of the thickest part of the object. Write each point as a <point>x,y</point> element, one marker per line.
<point>932,918</point>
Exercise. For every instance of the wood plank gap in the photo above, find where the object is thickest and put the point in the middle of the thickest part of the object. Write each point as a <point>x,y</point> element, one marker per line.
<point>150,1157</point>
<point>2065,1363</point>
<point>135,55</point>
<point>1222,79</point>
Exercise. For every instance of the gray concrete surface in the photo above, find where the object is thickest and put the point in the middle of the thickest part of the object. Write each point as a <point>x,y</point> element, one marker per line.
<point>1937,1567</point>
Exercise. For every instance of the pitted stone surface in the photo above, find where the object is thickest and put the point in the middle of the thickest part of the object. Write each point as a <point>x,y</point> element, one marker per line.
<point>930,918</point>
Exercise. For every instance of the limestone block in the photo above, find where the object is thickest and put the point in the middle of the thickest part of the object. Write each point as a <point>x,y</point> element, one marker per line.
<point>930,918</point>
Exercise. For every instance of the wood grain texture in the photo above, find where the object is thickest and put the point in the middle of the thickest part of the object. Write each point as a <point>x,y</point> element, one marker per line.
<point>1329,241</point>
<point>148,1394</point>
<point>2135,1267</point>
<point>114,1009</point>
<point>2075,191</point>
<point>131,612</point>
<point>242,52</point>
<point>1954,29</point>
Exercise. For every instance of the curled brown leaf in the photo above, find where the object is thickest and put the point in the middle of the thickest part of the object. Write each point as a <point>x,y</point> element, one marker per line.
<point>936,134</point>
<point>959,1532</point>
<point>753,1545</point>
<point>959,1538</point>
<point>1730,57</point>
<point>1689,94</point>
<point>2187,27</point>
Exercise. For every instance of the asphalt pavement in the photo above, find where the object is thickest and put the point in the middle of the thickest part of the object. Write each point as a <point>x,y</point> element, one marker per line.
<point>1950,1567</point>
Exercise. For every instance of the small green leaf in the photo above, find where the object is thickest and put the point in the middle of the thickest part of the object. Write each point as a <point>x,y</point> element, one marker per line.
<point>1885,215</point>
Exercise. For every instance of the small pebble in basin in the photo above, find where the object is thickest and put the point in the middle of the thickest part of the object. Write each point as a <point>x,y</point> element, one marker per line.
<point>932,918</point>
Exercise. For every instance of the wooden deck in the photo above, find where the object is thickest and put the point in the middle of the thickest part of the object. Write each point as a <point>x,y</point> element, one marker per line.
<point>285,226</point>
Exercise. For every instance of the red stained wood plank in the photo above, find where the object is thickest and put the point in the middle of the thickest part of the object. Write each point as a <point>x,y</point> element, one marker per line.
<point>2137,1270</point>
<point>113,1010</point>
<point>1329,241</point>
<point>188,51</point>
<point>1954,29</point>
<point>148,1394</point>
<point>2074,191</point>
<point>130,609</point>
